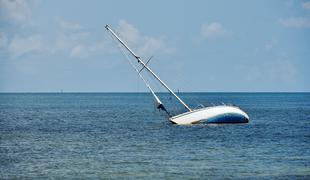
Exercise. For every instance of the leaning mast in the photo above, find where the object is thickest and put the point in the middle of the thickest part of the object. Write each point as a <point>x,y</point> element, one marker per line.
<point>148,69</point>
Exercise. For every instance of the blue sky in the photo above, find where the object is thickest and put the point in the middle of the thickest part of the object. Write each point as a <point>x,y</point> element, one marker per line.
<point>208,46</point>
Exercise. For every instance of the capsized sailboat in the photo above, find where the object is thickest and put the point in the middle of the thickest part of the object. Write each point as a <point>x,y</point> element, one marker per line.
<point>212,114</point>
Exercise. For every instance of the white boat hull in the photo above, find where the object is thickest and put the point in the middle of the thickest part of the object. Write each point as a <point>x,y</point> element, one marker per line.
<point>215,114</point>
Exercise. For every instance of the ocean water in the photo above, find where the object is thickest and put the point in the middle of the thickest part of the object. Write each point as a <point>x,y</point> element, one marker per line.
<point>121,135</point>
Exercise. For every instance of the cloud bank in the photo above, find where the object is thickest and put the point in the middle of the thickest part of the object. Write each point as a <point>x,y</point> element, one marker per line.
<point>71,38</point>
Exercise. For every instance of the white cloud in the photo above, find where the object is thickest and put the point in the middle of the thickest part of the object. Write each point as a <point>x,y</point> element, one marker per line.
<point>72,31</point>
<point>128,31</point>
<point>16,14</point>
<point>306,5</point>
<point>69,25</point>
<point>79,51</point>
<point>212,30</point>
<point>22,45</point>
<point>84,51</point>
<point>146,45</point>
<point>153,45</point>
<point>99,46</point>
<point>66,40</point>
<point>72,39</point>
<point>296,22</point>
<point>15,10</point>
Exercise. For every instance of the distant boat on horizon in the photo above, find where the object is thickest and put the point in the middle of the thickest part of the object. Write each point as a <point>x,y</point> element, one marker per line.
<point>212,114</point>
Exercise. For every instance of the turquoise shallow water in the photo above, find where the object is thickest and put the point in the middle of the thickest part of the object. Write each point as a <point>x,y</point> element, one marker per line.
<point>121,135</point>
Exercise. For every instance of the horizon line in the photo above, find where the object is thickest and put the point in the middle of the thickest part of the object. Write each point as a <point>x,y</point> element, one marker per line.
<point>107,92</point>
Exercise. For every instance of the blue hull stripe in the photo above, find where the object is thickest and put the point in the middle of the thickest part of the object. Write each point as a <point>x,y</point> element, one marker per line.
<point>228,118</point>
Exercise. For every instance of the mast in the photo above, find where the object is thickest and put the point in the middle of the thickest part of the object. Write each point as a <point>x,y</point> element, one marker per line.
<point>147,68</point>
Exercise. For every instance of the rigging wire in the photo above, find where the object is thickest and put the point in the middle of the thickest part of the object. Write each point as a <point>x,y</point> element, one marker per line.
<point>159,103</point>
<point>176,108</point>
<point>168,99</point>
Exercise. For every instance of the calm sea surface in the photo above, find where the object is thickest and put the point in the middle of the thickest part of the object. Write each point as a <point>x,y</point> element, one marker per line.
<point>121,135</point>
